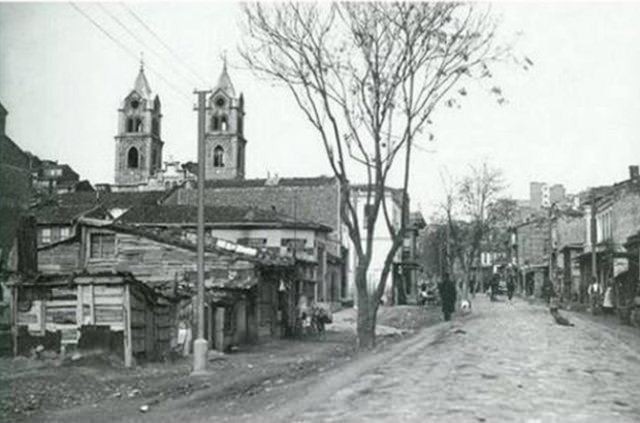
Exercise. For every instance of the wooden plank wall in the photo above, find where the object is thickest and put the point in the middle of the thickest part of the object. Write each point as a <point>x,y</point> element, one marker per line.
<point>138,306</point>
<point>67,309</point>
<point>63,258</point>
<point>155,263</point>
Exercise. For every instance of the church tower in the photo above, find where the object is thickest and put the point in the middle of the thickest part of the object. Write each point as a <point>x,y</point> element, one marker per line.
<point>138,143</point>
<point>224,138</point>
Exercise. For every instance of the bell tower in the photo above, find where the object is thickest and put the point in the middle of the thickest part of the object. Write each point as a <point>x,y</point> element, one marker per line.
<point>224,138</point>
<point>138,142</point>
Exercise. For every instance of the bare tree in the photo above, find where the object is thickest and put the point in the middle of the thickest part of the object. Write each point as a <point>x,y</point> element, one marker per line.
<point>467,208</point>
<point>367,76</point>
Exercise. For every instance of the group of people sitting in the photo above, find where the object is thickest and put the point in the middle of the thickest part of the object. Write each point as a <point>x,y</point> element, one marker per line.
<point>313,317</point>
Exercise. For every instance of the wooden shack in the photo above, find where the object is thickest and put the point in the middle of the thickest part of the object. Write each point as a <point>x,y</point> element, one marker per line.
<point>110,311</point>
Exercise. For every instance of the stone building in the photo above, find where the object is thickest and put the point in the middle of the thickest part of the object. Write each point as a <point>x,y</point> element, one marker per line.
<point>616,217</point>
<point>225,144</point>
<point>139,142</point>
<point>315,200</point>
<point>531,250</point>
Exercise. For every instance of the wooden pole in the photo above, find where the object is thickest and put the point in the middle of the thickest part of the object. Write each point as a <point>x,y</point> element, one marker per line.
<point>128,348</point>
<point>200,345</point>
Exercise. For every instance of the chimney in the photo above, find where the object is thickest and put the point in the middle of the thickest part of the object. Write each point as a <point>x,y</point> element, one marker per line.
<point>633,172</point>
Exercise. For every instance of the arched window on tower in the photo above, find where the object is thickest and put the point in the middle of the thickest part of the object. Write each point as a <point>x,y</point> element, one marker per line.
<point>129,124</point>
<point>218,157</point>
<point>139,126</point>
<point>224,125</point>
<point>132,158</point>
<point>215,123</point>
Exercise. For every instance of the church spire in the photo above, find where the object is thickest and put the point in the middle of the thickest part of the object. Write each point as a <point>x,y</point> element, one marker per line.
<point>224,82</point>
<point>142,85</point>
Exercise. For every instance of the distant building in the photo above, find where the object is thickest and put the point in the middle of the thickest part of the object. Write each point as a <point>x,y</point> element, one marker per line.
<point>50,177</point>
<point>541,195</point>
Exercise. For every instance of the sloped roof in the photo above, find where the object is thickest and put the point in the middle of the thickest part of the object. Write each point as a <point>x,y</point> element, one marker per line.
<point>64,208</point>
<point>54,214</point>
<point>214,215</point>
<point>224,83</point>
<point>276,182</point>
<point>141,86</point>
<point>180,240</point>
<point>111,199</point>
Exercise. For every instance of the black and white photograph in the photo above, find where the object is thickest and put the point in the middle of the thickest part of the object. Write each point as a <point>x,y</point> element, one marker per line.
<point>320,211</point>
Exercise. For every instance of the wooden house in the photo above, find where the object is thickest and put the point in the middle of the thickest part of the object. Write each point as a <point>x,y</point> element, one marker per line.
<point>110,311</point>
<point>249,294</point>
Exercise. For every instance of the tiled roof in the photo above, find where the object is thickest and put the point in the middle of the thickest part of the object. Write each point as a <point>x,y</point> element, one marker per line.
<point>63,208</point>
<point>111,199</point>
<point>261,182</point>
<point>53,214</point>
<point>216,215</point>
<point>213,245</point>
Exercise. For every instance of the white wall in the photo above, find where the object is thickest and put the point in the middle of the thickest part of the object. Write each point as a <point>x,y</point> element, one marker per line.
<point>382,243</point>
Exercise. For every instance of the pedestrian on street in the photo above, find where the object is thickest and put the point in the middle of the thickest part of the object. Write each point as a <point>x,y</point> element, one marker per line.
<point>448,296</point>
<point>511,287</point>
<point>594,293</point>
<point>422,296</point>
<point>472,287</point>
<point>495,282</point>
<point>607,302</point>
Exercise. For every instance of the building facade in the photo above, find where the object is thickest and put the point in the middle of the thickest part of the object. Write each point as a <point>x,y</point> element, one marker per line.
<point>138,141</point>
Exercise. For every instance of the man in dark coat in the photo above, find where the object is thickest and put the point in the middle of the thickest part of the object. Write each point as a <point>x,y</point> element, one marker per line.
<point>448,296</point>
<point>511,287</point>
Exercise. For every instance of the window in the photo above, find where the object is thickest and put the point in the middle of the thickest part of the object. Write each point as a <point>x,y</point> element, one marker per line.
<point>298,243</point>
<point>253,242</point>
<point>215,123</point>
<point>129,124</point>
<point>45,235</point>
<point>132,158</point>
<point>139,126</point>
<point>223,123</point>
<point>155,162</point>
<point>65,233</point>
<point>218,157</point>
<point>102,246</point>
<point>53,172</point>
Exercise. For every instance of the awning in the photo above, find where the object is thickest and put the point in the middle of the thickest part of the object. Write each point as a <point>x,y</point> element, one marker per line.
<point>234,279</point>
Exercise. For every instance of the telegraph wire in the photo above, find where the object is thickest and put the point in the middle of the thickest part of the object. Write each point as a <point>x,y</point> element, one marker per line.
<point>165,45</point>
<point>129,51</point>
<point>141,41</point>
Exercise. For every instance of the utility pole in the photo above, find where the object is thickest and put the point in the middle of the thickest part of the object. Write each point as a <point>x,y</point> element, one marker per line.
<point>200,345</point>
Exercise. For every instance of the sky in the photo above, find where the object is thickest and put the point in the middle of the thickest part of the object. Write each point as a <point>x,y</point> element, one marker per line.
<point>571,119</point>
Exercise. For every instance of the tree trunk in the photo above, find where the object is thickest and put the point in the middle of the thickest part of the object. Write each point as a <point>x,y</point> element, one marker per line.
<point>366,325</point>
<point>366,329</point>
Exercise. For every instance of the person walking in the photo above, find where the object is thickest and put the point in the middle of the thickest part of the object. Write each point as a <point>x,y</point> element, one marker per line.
<point>594,293</point>
<point>448,296</point>
<point>472,287</point>
<point>494,287</point>
<point>511,287</point>
<point>608,300</point>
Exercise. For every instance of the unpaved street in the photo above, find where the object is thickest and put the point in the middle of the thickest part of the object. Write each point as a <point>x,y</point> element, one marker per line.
<point>506,362</point>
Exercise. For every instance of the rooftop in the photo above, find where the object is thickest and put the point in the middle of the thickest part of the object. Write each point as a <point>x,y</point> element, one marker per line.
<point>214,216</point>
<point>275,181</point>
